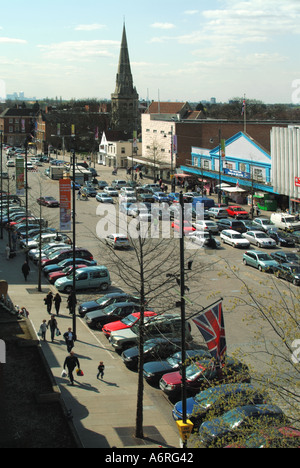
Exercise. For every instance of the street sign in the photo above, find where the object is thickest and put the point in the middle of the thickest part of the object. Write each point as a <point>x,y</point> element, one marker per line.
<point>185,429</point>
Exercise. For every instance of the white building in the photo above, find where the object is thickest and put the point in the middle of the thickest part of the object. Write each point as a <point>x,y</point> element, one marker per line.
<point>117,153</point>
<point>285,153</point>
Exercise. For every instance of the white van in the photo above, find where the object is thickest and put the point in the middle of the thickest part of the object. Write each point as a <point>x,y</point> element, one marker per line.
<point>285,221</point>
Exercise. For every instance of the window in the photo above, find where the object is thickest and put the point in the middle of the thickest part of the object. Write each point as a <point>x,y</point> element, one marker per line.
<point>82,277</point>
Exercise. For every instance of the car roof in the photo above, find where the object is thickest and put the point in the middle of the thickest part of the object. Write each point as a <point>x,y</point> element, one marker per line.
<point>231,231</point>
<point>93,268</point>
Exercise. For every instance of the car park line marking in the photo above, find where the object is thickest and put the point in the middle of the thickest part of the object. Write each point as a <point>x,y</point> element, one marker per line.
<point>98,341</point>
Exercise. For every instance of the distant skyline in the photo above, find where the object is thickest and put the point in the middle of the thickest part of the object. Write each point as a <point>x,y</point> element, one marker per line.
<point>190,51</point>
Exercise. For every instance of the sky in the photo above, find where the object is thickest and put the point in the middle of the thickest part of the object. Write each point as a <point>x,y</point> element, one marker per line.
<point>179,51</point>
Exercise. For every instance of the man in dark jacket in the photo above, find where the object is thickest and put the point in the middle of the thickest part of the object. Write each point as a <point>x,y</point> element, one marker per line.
<point>71,363</point>
<point>25,270</point>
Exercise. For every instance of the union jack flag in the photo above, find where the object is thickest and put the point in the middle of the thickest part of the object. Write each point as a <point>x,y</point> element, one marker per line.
<point>244,107</point>
<point>211,325</point>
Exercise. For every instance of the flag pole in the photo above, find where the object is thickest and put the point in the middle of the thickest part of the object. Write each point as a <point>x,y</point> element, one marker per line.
<point>245,115</point>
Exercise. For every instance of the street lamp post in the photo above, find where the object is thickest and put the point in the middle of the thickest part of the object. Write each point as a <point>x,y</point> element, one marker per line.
<point>1,189</point>
<point>73,302</point>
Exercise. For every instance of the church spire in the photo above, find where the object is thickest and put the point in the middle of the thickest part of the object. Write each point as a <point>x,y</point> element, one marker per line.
<point>124,82</point>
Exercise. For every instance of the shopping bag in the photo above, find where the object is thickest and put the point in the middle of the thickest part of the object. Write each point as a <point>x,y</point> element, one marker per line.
<point>79,373</point>
<point>64,374</point>
<point>58,332</point>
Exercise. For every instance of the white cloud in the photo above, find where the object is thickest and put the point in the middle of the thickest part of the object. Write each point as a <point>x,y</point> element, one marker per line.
<point>191,12</point>
<point>10,40</point>
<point>89,27</point>
<point>163,26</point>
<point>79,50</point>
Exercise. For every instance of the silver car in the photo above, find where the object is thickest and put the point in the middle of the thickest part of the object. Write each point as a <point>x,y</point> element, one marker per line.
<point>259,238</point>
<point>117,241</point>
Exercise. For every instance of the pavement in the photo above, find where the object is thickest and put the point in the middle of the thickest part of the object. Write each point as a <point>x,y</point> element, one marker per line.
<point>104,412</point>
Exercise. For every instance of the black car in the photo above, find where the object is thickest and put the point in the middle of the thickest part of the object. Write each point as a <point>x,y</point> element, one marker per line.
<point>153,371</point>
<point>236,225</point>
<point>156,348</point>
<point>89,191</point>
<point>145,197</point>
<point>281,238</point>
<point>295,236</point>
<point>105,301</point>
<point>289,272</point>
<point>112,313</point>
<point>286,257</point>
<point>250,225</point>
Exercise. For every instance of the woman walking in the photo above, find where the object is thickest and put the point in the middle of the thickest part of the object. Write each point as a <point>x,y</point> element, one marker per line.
<point>48,301</point>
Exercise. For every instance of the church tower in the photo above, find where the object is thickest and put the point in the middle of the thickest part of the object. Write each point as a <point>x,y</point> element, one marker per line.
<point>125,99</point>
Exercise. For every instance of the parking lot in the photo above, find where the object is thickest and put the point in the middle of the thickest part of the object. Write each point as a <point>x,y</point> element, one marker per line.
<point>216,273</point>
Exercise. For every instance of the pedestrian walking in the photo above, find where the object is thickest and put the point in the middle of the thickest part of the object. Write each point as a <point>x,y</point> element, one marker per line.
<point>48,301</point>
<point>69,337</point>
<point>72,302</point>
<point>7,252</point>
<point>52,324</point>
<point>79,194</point>
<point>25,270</point>
<point>101,369</point>
<point>71,362</point>
<point>57,302</point>
<point>43,330</point>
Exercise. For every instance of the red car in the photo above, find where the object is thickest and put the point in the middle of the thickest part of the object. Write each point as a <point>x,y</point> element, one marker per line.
<point>203,374</point>
<point>127,322</point>
<point>237,212</point>
<point>187,228</point>
<point>52,277</point>
<point>48,201</point>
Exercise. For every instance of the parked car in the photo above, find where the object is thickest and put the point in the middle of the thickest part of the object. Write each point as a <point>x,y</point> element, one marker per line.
<point>264,224</point>
<point>126,322</point>
<point>118,184</point>
<point>145,197</point>
<point>112,192</point>
<point>102,184</point>
<point>66,263</point>
<point>105,301</point>
<point>234,238</point>
<point>89,191</point>
<point>127,198</point>
<point>154,370</point>
<point>50,202</point>
<point>154,348</point>
<point>87,278</point>
<point>117,241</point>
<point>215,401</point>
<point>273,437</point>
<point>187,227</point>
<point>45,238</point>
<point>217,212</point>
<point>281,238</point>
<point>127,191</point>
<point>203,374</point>
<point>260,260</point>
<point>289,272</point>
<point>285,221</point>
<point>168,325</point>
<point>112,313</point>
<point>204,239</point>
<point>58,257</point>
<point>225,429</point>
<point>259,238</point>
<point>234,224</point>
<point>54,276</point>
<point>104,198</point>
<point>160,197</point>
<point>237,212</point>
<point>295,235</point>
<point>249,225</point>
<point>206,225</point>
<point>286,257</point>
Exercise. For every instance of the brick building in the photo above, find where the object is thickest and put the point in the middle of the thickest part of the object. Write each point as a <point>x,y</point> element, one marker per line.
<point>17,124</point>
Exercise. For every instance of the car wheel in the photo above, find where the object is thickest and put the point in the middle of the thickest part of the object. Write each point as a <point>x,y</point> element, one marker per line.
<point>260,268</point>
<point>68,290</point>
<point>103,287</point>
<point>244,261</point>
<point>295,282</point>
